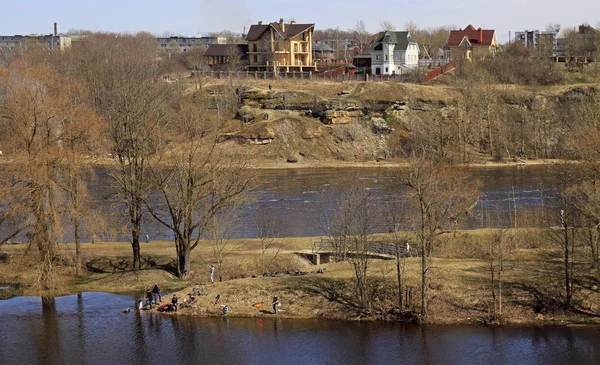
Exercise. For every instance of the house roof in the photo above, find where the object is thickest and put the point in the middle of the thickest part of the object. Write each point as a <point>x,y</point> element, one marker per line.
<point>291,30</point>
<point>226,50</point>
<point>321,47</point>
<point>472,35</point>
<point>401,39</point>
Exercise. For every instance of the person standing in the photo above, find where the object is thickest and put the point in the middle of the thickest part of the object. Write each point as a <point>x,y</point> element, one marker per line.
<point>156,293</point>
<point>175,301</point>
<point>275,305</point>
<point>147,238</point>
<point>212,273</point>
<point>149,297</point>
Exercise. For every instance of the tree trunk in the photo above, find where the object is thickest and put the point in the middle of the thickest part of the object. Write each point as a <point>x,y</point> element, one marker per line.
<point>423,284</point>
<point>568,294</point>
<point>399,273</point>
<point>135,246</point>
<point>183,261</point>
<point>77,248</point>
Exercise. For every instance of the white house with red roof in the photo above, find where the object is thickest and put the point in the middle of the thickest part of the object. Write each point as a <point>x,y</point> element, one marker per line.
<point>471,43</point>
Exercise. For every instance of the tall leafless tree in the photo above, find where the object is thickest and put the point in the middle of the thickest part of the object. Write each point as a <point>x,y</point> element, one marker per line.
<point>440,196</point>
<point>123,74</point>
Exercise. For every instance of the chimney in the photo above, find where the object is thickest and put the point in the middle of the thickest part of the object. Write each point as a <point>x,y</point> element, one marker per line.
<point>480,35</point>
<point>55,29</point>
<point>282,25</point>
<point>260,22</point>
<point>293,22</point>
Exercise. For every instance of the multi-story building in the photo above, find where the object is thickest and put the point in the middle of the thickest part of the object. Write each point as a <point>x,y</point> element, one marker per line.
<point>471,43</point>
<point>280,47</point>
<point>54,42</point>
<point>543,42</point>
<point>392,52</point>
<point>186,44</point>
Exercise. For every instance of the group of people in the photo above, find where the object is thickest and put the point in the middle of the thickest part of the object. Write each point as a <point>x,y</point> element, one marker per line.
<point>154,296</point>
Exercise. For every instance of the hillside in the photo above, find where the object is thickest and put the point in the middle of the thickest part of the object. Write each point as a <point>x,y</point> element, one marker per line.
<point>317,122</point>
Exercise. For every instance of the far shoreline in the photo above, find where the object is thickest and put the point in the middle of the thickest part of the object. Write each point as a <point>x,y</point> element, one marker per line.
<point>391,163</point>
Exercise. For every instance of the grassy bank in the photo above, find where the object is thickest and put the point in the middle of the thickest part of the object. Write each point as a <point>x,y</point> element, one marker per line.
<point>460,282</point>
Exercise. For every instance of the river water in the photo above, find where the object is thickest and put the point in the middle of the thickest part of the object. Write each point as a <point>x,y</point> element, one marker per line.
<point>90,328</point>
<point>298,198</point>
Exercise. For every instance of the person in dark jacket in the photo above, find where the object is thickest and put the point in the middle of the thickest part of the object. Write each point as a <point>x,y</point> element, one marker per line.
<point>156,292</point>
<point>174,301</point>
<point>149,297</point>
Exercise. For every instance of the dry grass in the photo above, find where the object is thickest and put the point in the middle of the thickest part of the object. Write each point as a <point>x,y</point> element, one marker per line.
<point>460,287</point>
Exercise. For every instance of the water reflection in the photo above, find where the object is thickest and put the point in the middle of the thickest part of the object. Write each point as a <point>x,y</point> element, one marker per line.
<point>91,329</point>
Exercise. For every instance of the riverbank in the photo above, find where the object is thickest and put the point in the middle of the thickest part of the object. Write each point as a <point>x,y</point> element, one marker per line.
<point>460,282</point>
<point>391,163</point>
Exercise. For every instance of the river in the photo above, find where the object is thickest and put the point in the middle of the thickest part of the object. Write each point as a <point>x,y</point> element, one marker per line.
<point>298,198</point>
<point>90,328</point>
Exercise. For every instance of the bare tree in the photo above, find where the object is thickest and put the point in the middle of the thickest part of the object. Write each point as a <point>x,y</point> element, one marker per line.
<point>200,183</point>
<point>356,217</point>
<point>223,227</point>
<point>362,36</point>
<point>42,112</point>
<point>123,75</point>
<point>564,177</point>
<point>386,25</point>
<point>268,231</point>
<point>441,195</point>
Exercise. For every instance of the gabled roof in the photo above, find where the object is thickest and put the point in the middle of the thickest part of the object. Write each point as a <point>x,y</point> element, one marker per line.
<point>291,30</point>
<point>321,47</point>
<point>226,50</point>
<point>472,35</point>
<point>400,39</point>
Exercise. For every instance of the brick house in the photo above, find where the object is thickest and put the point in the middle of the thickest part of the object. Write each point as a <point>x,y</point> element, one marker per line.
<point>471,43</point>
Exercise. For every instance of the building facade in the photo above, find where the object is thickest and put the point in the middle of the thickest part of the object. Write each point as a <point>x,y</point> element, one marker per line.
<point>280,47</point>
<point>471,43</point>
<point>227,57</point>
<point>394,53</point>
<point>53,42</point>
<point>543,42</point>
<point>186,44</point>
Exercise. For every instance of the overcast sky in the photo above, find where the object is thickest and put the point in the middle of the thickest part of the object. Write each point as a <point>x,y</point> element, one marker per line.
<point>198,17</point>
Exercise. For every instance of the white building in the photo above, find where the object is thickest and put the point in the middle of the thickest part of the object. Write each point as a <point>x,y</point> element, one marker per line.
<point>394,53</point>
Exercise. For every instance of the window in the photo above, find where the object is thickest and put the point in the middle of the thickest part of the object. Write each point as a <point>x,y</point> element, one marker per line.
<point>377,58</point>
<point>386,57</point>
<point>296,47</point>
<point>303,37</point>
<point>255,59</point>
<point>386,70</point>
<point>254,47</point>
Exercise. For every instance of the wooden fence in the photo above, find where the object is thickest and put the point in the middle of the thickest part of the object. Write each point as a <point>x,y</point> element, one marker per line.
<point>269,75</point>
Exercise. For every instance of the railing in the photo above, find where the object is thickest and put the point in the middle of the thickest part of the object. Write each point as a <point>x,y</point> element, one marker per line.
<point>377,247</point>
<point>263,75</point>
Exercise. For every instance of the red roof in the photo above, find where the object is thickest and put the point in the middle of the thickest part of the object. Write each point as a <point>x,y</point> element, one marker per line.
<point>477,37</point>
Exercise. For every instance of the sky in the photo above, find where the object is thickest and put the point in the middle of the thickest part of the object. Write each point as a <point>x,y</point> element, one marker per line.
<point>199,17</point>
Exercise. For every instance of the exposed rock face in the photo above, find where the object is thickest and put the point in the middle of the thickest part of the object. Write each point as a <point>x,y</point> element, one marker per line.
<point>396,111</point>
<point>341,116</point>
<point>380,126</point>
